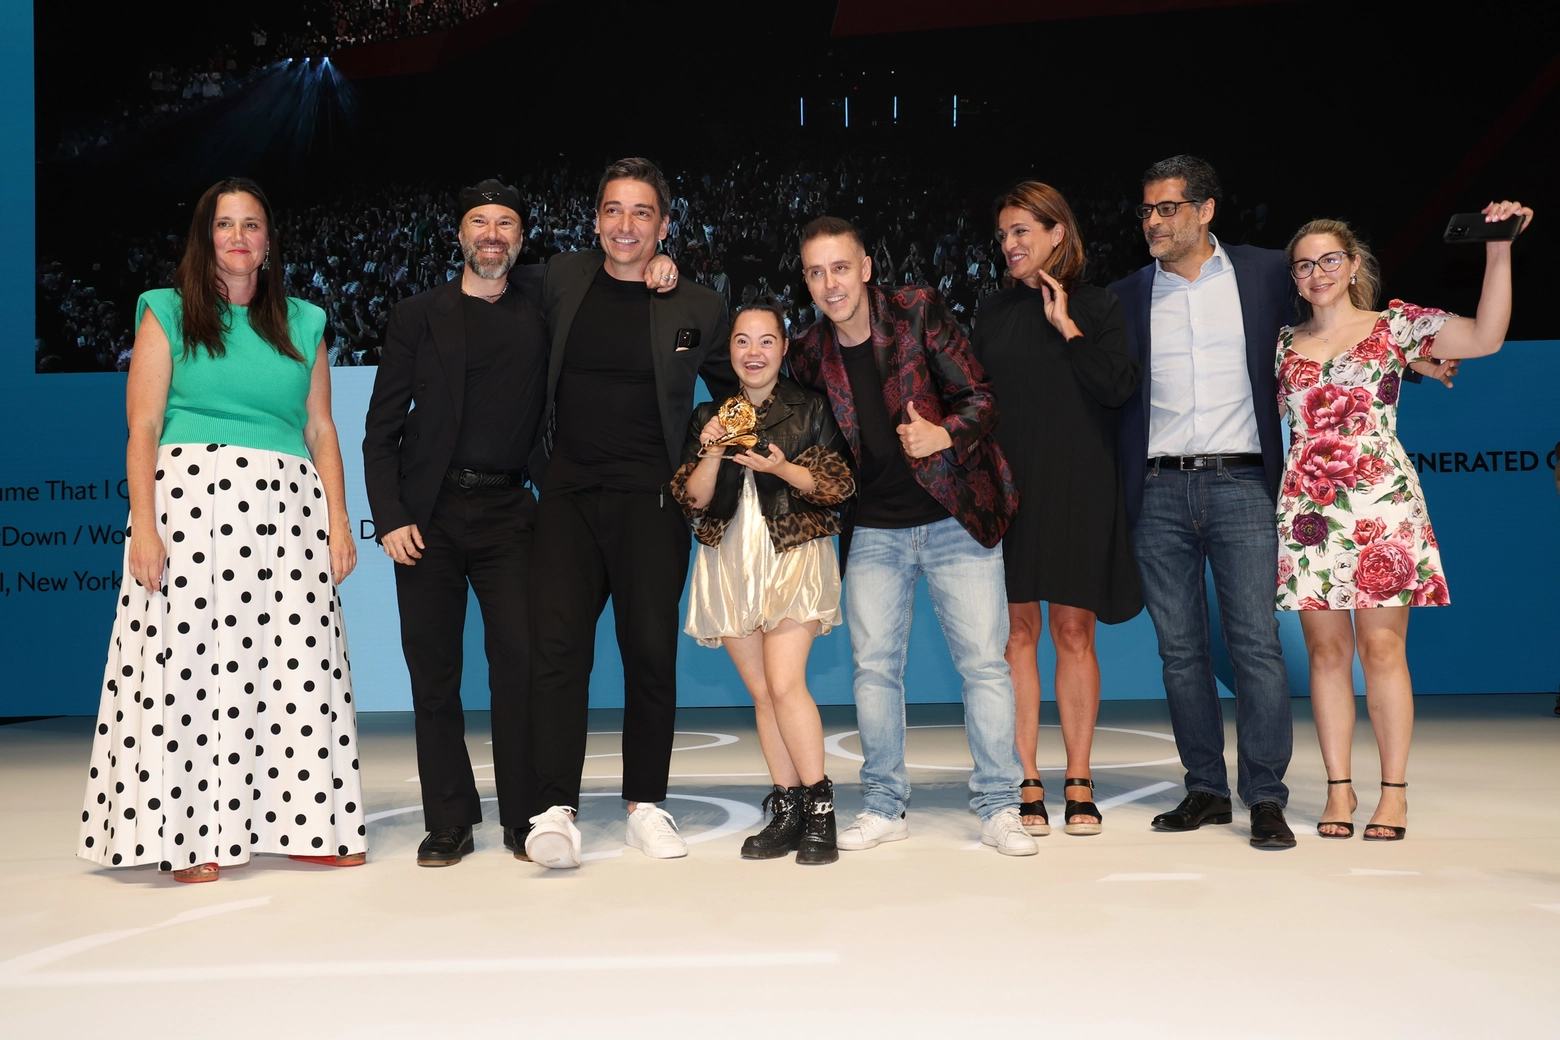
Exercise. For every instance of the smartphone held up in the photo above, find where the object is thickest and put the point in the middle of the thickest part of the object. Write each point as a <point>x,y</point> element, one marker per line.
<point>1474,228</point>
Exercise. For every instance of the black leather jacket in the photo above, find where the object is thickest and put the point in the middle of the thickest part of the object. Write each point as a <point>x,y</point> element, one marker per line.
<point>797,419</point>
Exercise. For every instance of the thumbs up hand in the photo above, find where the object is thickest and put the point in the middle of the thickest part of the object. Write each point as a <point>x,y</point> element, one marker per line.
<point>921,438</point>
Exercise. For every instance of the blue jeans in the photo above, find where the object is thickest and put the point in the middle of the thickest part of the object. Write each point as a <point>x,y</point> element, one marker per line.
<point>970,596</point>
<point>1223,518</point>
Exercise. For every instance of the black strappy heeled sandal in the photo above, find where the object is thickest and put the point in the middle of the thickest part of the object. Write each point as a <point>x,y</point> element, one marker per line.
<point>1035,808</point>
<point>1396,832</point>
<point>1087,808</point>
<point>1347,825</point>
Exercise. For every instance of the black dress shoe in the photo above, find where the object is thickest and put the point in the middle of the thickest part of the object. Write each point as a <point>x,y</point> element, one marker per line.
<point>1268,829</point>
<point>514,841</point>
<point>1196,809</point>
<point>444,848</point>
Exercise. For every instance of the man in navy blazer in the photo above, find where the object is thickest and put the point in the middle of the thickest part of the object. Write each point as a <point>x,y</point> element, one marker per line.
<point>1202,456</point>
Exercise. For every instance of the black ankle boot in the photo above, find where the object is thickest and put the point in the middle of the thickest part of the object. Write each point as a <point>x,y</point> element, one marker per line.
<point>785,827</point>
<point>817,844</point>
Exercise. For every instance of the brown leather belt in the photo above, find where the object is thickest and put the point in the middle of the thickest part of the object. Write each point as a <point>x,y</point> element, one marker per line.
<point>1201,462</point>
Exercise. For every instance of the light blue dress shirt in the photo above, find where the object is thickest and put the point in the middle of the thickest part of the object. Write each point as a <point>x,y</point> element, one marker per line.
<point>1200,391</point>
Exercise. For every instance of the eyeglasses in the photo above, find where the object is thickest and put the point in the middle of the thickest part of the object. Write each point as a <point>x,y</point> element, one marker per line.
<point>1329,262</point>
<point>1164,209</point>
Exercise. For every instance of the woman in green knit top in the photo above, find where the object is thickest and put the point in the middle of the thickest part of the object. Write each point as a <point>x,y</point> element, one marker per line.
<point>226,725</point>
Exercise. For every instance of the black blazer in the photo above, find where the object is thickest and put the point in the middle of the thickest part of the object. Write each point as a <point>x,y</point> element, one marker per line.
<point>687,308</point>
<point>797,419</point>
<point>1267,305</point>
<point>414,414</point>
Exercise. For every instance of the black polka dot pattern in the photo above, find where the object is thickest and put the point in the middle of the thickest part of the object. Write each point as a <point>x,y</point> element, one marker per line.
<point>204,695</point>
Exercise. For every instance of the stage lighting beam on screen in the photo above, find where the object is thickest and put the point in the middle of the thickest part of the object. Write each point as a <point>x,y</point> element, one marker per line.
<point>847,112</point>
<point>801,111</point>
<point>955,110</point>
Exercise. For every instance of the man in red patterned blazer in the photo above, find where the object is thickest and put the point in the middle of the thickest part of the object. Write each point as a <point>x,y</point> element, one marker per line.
<point>935,497</point>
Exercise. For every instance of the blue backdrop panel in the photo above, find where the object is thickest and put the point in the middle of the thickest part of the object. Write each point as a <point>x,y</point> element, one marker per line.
<point>1485,449</point>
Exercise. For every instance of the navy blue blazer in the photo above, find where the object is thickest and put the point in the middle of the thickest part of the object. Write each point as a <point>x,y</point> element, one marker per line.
<point>1267,304</point>
<point>1267,295</point>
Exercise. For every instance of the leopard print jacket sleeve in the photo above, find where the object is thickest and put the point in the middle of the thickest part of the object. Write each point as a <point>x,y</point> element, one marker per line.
<point>706,529</point>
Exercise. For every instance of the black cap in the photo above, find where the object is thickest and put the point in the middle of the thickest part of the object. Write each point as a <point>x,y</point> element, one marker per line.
<point>490,192</point>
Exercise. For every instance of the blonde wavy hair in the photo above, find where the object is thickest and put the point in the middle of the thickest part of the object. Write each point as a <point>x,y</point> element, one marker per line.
<point>1365,290</point>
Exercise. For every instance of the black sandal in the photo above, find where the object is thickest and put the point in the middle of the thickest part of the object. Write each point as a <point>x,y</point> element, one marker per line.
<point>1081,809</point>
<point>1035,808</point>
<point>1347,825</point>
<point>1396,832</point>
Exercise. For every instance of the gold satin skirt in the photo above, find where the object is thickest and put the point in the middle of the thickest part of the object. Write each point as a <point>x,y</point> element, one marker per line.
<point>743,585</point>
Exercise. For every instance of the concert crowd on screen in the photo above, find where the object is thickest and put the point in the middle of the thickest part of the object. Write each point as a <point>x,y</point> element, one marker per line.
<point>166,92</point>
<point>353,22</point>
<point>315,29</point>
<point>358,255</point>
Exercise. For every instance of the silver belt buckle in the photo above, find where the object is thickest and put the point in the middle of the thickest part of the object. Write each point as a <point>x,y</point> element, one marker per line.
<point>1193,460</point>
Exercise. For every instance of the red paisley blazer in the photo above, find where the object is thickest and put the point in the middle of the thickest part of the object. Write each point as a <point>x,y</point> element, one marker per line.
<point>924,358</point>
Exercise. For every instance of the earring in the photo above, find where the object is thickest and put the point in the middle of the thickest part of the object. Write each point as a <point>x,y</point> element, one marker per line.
<point>1353,278</point>
<point>265,265</point>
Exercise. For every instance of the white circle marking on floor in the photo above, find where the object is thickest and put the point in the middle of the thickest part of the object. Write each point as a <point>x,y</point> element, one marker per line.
<point>832,745</point>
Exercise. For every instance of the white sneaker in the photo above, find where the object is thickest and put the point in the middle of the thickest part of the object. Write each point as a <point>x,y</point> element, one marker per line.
<point>652,831</point>
<point>1005,833</point>
<point>869,830</point>
<point>554,841</point>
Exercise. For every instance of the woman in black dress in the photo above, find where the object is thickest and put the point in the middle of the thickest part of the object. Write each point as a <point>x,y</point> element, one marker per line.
<point>1055,351</point>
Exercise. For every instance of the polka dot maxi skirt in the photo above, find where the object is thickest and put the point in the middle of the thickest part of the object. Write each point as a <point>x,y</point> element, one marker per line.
<point>226,726</point>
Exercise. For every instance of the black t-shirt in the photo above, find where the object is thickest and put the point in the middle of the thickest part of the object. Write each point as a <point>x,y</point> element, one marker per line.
<point>506,377</point>
<point>890,496</point>
<point>609,421</point>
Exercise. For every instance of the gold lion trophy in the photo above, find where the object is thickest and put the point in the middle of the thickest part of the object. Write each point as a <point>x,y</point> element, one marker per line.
<point>740,419</point>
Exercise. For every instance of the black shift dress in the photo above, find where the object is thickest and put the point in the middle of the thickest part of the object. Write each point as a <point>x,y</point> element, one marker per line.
<point>1059,424</point>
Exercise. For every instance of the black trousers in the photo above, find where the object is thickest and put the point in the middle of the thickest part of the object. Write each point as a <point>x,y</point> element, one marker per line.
<point>481,536</point>
<point>632,546</point>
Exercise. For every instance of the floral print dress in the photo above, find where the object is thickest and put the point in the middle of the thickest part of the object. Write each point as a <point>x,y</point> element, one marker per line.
<point>1352,527</point>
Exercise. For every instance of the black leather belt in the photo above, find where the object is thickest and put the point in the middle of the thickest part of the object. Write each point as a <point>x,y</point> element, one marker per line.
<point>477,478</point>
<point>1199,462</point>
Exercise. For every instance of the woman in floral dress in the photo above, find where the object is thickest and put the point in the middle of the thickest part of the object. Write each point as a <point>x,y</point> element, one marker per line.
<point>1356,548</point>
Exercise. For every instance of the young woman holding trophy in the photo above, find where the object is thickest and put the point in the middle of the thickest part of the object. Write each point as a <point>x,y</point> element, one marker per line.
<point>762,478</point>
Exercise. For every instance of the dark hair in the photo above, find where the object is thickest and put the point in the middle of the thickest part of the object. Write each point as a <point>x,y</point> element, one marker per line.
<point>769,305</point>
<point>1366,287</point>
<point>830,227</point>
<point>1202,183</point>
<point>637,169</point>
<point>206,313</point>
<point>1047,206</point>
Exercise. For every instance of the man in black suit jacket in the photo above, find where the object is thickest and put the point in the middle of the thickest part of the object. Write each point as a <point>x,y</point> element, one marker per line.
<point>1202,454</point>
<point>620,387</point>
<point>455,411</point>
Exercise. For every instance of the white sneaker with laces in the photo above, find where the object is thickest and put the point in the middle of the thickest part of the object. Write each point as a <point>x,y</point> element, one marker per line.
<point>1005,833</point>
<point>869,830</point>
<point>652,831</point>
<point>554,841</point>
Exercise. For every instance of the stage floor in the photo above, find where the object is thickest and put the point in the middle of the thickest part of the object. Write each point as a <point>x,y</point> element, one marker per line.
<point>1452,932</point>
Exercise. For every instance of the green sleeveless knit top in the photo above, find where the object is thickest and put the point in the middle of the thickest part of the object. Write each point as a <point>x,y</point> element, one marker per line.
<point>252,396</point>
